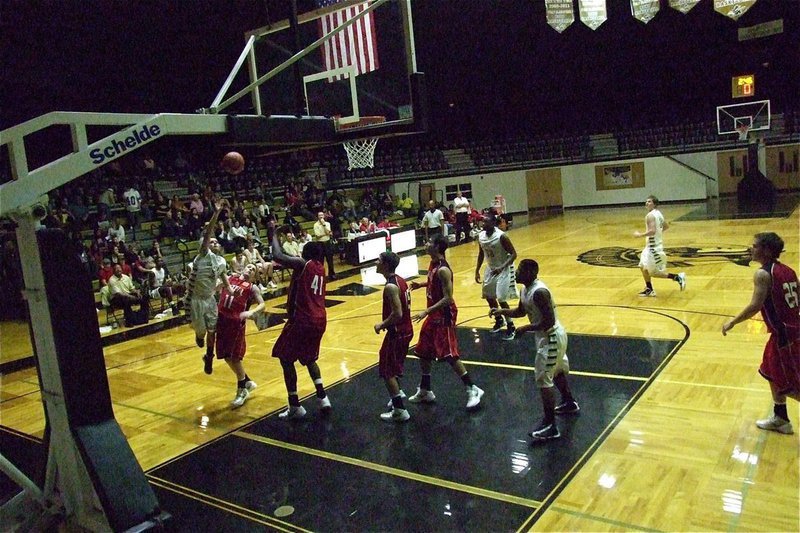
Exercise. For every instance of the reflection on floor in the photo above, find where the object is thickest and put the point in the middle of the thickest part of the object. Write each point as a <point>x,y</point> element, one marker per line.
<point>446,469</point>
<point>728,207</point>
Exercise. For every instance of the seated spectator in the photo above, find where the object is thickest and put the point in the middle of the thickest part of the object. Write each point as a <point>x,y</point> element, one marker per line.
<point>349,208</point>
<point>161,206</point>
<point>105,272</point>
<point>123,294</point>
<point>265,267</point>
<point>224,237</point>
<point>159,282</point>
<point>177,206</point>
<point>367,226</point>
<point>385,223</point>
<point>238,261</point>
<point>291,246</point>
<point>196,205</point>
<point>294,225</point>
<point>252,230</point>
<point>238,233</point>
<point>116,230</point>
<point>261,212</point>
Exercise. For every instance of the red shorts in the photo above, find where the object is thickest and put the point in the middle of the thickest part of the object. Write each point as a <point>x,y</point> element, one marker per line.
<point>230,341</point>
<point>781,365</point>
<point>393,355</point>
<point>298,342</point>
<point>436,341</point>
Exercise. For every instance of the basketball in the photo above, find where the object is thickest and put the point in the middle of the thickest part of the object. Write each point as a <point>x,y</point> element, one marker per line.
<point>233,163</point>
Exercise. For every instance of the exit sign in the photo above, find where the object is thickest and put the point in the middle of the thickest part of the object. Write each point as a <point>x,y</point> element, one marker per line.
<point>743,86</point>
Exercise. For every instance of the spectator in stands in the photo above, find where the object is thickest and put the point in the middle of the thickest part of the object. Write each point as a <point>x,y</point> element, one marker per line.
<point>102,221</point>
<point>260,212</point>
<point>349,208</point>
<point>238,233</point>
<point>303,237</point>
<point>406,204</point>
<point>161,206</point>
<point>133,206</point>
<point>116,230</point>
<point>238,261</point>
<point>123,293</point>
<point>264,267</point>
<point>252,229</point>
<point>223,235</point>
<point>196,205</point>
<point>385,223</point>
<point>77,207</point>
<point>291,246</point>
<point>158,281</point>
<point>105,201</point>
<point>155,251</point>
<point>105,272</point>
<point>366,225</point>
<point>177,206</point>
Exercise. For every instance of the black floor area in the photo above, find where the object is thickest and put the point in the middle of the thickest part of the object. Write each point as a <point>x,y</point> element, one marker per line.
<point>728,207</point>
<point>444,470</point>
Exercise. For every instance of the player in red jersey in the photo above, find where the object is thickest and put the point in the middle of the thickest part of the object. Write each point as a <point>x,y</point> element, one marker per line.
<point>302,334</point>
<point>775,294</point>
<point>230,338</point>
<point>437,338</point>
<point>399,332</point>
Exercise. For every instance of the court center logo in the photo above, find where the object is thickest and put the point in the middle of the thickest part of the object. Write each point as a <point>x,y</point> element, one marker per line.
<point>681,256</point>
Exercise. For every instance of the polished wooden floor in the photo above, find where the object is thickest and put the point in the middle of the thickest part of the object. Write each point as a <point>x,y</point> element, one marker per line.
<point>685,457</point>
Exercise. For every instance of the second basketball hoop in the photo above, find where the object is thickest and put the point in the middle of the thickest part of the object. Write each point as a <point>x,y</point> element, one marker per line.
<point>360,151</point>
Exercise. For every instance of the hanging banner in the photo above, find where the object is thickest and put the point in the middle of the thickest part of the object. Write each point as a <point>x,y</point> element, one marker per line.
<point>644,10</point>
<point>593,12</point>
<point>559,14</point>
<point>765,29</point>
<point>733,8</point>
<point>684,6</point>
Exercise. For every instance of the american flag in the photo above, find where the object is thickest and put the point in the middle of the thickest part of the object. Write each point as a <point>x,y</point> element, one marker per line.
<point>355,45</point>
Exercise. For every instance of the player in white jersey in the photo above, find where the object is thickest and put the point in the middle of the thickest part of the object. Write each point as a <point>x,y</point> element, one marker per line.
<point>207,268</point>
<point>653,261</point>
<point>551,363</point>
<point>499,281</point>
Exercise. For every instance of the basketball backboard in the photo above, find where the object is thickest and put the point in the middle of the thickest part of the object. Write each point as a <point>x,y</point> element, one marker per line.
<point>754,115</point>
<point>300,80</point>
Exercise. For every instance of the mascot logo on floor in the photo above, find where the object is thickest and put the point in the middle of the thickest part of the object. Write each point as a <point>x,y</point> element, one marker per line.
<point>678,257</point>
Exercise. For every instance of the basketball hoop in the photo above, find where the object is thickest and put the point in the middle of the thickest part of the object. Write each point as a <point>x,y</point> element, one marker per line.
<point>360,152</point>
<point>743,130</point>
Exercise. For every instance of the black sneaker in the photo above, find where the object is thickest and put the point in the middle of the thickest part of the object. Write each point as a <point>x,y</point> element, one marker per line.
<point>545,433</point>
<point>208,363</point>
<point>568,408</point>
<point>200,341</point>
<point>647,293</point>
<point>498,326</point>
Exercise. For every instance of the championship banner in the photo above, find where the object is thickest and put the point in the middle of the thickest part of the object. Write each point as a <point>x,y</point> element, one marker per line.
<point>684,6</point>
<point>619,176</point>
<point>765,29</point>
<point>733,8</point>
<point>593,12</point>
<point>644,10</point>
<point>559,14</point>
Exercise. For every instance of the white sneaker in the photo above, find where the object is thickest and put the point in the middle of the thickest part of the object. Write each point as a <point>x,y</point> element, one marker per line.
<point>241,397</point>
<point>681,279</point>
<point>324,404</point>
<point>396,415</point>
<point>402,395</point>
<point>293,413</point>
<point>272,285</point>
<point>776,423</point>
<point>474,395</point>
<point>423,396</point>
<point>250,386</point>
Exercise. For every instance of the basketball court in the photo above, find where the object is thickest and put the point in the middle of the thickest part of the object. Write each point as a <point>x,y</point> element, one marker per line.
<point>137,435</point>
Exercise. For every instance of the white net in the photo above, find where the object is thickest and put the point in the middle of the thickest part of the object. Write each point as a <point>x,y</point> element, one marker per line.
<point>360,152</point>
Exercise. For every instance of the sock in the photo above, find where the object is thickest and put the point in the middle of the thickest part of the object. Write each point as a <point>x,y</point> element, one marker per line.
<point>294,401</point>
<point>320,388</point>
<point>246,377</point>
<point>466,379</point>
<point>673,277</point>
<point>780,411</point>
<point>397,402</point>
<point>241,383</point>
<point>425,382</point>
<point>649,285</point>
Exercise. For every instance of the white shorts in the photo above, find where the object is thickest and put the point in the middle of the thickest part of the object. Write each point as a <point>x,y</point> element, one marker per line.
<point>204,315</point>
<point>551,356</point>
<point>502,287</point>
<point>653,261</point>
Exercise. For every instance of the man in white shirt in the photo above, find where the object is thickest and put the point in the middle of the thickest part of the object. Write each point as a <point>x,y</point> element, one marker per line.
<point>461,206</point>
<point>433,220</point>
<point>323,234</point>
<point>133,205</point>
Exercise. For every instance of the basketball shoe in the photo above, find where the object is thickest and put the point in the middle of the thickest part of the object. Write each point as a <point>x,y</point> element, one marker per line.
<point>423,396</point>
<point>776,423</point>
<point>293,413</point>
<point>396,415</point>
